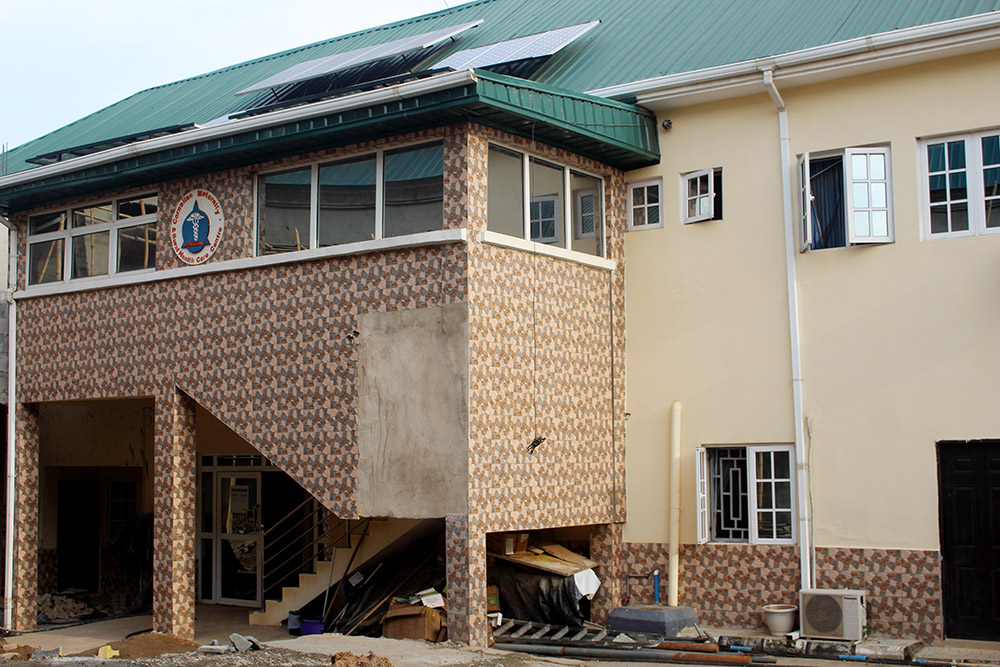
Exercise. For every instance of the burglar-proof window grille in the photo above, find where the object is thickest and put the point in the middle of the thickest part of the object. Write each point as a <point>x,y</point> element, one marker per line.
<point>746,494</point>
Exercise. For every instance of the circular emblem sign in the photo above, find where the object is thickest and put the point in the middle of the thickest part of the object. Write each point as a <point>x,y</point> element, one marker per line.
<point>196,226</point>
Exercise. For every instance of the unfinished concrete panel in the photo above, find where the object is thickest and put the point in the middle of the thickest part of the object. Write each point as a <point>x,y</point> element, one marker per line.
<point>412,414</point>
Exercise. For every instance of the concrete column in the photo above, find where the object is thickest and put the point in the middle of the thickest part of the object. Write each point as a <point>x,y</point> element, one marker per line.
<point>174,518</point>
<point>26,519</point>
<point>606,549</point>
<point>465,544</point>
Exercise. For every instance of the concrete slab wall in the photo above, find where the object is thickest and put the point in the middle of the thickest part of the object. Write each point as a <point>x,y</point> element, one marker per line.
<point>412,414</point>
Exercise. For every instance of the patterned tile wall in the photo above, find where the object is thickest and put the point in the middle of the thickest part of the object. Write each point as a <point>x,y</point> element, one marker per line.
<point>26,529</point>
<point>904,587</point>
<point>727,583</point>
<point>48,570</point>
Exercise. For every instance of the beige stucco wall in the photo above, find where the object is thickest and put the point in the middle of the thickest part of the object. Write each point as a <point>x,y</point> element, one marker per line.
<point>897,340</point>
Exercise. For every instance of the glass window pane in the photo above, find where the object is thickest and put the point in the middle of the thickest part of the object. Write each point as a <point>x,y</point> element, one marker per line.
<point>783,495</point>
<point>505,192</point>
<point>991,181</point>
<point>283,212</point>
<point>92,215</point>
<point>956,155</point>
<point>939,188</point>
<point>639,217</point>
<point>862,224</point>
<point>692,208</point>
<point>652,194</point>
<point>653,215</point>
<point>547,186</point>
<point>414,190</point>
<point>993,213</point>
<point>959,217</point>
<point>782,465</point>
<point>638,196</point>
<point>347,201</point>
<point>879,196</point>
<point>880,223</point>
<point>991,150</point>
<point>137,206</point>
<point>957,183</point>
<point>764,496</point>
<point>859,167</point>
<point>137,247</point>
<point>877,162</point>
<point>765,526</point>
<point>90,255</point>
<point>935,157</point>
<point>47,222</point>
<point>763,465</point>
<point>45,262</point>
<point>939,219</point>
<point>860,195</point>
<point>783,525</point>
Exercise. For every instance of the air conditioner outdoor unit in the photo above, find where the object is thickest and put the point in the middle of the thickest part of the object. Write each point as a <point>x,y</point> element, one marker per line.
<point>832,613</point>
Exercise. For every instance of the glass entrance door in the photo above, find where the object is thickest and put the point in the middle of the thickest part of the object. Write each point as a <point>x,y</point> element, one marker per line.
<point>239,539</point>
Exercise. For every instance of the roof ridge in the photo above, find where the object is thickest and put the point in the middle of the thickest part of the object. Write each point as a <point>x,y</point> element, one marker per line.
<point>322,42</point>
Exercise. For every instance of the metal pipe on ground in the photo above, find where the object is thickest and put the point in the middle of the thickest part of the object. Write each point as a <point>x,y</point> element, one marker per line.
<point>637,655</point>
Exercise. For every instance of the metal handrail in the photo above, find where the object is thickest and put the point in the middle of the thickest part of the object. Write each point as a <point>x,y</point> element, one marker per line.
<point>310,515</point>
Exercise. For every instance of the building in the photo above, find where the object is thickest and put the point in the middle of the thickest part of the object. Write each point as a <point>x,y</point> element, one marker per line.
<point>376,271</point>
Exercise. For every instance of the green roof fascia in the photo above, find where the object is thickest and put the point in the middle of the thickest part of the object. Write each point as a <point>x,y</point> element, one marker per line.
<point>614,133</point>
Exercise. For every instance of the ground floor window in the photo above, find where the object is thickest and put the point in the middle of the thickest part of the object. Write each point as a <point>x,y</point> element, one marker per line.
<point>746,494</point>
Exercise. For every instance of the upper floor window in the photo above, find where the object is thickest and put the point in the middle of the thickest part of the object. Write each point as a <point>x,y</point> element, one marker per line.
<point>701,195</point>
<point>100,239</point>
<point>384,194</point>
<point>530,198</point>
<point>846,198</point>
<point>644,205</point>
<point>962,184</point>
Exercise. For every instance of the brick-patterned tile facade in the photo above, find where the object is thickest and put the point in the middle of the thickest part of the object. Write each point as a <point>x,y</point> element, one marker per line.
<point>728,583</point>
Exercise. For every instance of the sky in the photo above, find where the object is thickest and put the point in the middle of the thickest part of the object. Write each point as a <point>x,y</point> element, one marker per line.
<point>61,60</point>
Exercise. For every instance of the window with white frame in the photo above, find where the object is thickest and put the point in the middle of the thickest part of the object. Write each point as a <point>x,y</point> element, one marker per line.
<point>746,494</point>
<point>962,184</point>
<point>100,239</point>
<point>701,195</point>
<point>544,202</point>
<point>846,198</point>
<point>379,195</point>
<point>644,205</point>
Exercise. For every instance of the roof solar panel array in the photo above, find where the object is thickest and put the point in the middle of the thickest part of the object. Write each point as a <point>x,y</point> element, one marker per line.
<point>340,61</point>
<point>522,48</point>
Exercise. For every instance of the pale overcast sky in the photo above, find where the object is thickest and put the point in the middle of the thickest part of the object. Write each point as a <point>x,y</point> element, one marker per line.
<point>63,59</point>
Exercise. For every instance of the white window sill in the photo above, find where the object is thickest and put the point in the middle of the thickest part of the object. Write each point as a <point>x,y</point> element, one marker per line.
<point>497,239</point>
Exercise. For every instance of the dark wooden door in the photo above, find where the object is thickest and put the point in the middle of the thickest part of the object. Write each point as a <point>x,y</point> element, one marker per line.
<point>969,492</point>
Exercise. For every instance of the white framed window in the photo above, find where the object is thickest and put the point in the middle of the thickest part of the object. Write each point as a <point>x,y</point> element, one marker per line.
<point>96,240</point>
<point>645,205</point>
<point>379,195</point>
<point>544,202</point>
<point>961,176</point>
<point>701,196</point>
<point>846,198</point>
<point>586,214</point>
<point>746,494</point>
<point>544,219</point>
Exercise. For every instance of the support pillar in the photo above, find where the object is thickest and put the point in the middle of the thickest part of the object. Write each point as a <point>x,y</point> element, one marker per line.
<point>606,548</point>
<point>465,544</point>
<point>174,515</point>
<point>25,592</point>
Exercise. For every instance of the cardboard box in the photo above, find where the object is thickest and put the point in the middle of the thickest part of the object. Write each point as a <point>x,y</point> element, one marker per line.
<point>508,543</point>
<point>492,598</point>
<point>413,621</point>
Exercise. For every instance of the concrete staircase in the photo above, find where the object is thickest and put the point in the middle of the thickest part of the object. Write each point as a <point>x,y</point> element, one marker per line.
<point>379,536</point>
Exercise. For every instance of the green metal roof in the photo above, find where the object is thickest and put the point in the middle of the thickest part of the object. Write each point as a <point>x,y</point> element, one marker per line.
<point>636,39</point>
<point>615,133</point>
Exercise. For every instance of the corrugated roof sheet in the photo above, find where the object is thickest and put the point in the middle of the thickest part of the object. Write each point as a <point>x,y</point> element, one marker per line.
<point>636,39</point>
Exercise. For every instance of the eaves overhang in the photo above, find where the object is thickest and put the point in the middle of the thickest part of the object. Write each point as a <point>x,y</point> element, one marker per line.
<point>620,135</point>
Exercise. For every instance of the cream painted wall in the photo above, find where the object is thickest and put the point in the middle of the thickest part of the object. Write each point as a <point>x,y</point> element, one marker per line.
<point>897,340</point>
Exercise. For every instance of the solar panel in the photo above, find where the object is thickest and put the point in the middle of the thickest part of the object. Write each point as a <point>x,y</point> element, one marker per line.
<point>340,61</point>
<point>521,48</point>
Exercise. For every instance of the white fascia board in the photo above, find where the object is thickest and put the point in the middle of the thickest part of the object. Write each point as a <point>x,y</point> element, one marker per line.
<point>400,91</point>
<point>821,63</point>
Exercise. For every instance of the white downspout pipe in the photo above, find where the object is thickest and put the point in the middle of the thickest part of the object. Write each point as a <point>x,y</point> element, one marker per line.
<point>802,468</point>
<point>8,578</point>
<point>674,530</point>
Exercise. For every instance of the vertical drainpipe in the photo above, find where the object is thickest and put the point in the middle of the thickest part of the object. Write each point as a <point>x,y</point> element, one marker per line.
<point>802,467</point>
<point>8,574</point>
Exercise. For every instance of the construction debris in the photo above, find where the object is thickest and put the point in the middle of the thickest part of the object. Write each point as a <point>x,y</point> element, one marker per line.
<point>243,643</point>
<point>348,659</point>
<point>548,557</point>
<point>55,608</point>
